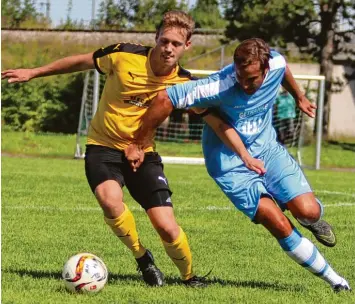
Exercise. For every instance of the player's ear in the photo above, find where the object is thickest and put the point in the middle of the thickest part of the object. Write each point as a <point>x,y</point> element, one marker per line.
<point>187,44</point>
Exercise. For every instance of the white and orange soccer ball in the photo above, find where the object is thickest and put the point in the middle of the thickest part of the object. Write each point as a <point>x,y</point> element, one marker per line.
<point>84,272</point>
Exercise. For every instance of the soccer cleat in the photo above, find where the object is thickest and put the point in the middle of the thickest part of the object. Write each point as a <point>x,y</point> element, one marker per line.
<point>150,272</point>
<point>323,232</point>
<point>344,285</point>
<point>195,281</point>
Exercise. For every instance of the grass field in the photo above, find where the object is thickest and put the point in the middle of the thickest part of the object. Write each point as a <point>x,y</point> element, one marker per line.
<point>334,154</point>
<point>49,214</point>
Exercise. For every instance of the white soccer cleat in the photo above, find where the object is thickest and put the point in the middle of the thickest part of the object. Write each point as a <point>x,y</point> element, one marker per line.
<point>343,285</point>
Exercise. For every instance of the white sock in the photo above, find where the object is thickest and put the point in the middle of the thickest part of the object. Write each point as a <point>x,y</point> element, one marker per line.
<point>307,255</point>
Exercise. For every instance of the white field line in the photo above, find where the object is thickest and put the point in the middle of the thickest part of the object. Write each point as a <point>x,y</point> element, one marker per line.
<point>335,192</point>
<point>96,209</point>
<point>207,208</point>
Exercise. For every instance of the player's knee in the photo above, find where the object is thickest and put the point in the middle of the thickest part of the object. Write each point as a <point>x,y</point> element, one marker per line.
<point>309,215</point>
<point>109,196</point>
<point>306,208</point>
<point>168,232</point>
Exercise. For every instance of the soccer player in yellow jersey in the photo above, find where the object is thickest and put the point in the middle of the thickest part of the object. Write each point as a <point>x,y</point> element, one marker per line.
<point>134,75</point>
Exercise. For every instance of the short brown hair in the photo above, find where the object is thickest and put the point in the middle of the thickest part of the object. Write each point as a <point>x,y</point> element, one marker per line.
<point>252,50</point>
<point>178,19</point>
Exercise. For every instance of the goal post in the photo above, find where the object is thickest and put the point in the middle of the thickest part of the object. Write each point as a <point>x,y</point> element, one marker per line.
<point>303,139</point>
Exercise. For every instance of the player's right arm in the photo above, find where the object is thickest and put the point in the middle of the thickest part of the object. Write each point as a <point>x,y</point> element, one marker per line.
<point>65,65</point>
<point>232,140</point>
<point>290,84</point>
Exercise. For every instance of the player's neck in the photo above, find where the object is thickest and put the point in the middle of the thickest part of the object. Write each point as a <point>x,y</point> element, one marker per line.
<point>158,68</point>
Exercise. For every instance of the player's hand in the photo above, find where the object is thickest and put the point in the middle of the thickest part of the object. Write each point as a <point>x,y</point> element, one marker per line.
<point>134,155</point>
<point>306,106</point>
<point>255,165</point>
<point>18,75</point>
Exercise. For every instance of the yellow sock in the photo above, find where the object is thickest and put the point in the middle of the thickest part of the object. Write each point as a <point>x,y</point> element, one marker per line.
<point>124,227</point>
<point>180,254</point>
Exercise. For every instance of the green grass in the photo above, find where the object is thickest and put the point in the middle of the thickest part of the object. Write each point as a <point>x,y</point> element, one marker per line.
<point>49,214</point>
<point>334,154</point>
<point>33,144</point>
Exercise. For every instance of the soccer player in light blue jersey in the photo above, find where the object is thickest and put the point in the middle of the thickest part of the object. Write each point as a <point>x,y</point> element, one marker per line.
<point>243,94</point>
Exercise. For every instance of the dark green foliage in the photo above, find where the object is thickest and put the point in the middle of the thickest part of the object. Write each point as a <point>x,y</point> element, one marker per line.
<point>207,15</point>
<point>134,14</point>
<point>322,28</point>
<point>276,21</point>
<point>149,13</point>
<point>42,105</point>
<point>115,14</point>
<point>21,13</point>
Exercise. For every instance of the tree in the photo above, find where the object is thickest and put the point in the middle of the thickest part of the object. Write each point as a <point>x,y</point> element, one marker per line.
<point>135,14</point>
<point>321,28</point>
<point>148,13</point>
<point>16,12</point>
<point>207,15</point>
<point>116,14</point>
<point>68,23</point>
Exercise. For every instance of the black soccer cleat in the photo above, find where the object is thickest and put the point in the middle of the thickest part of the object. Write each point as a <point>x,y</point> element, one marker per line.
<point>150,272</point>
<point>323,232</point>
<point>344,285</point>
<point>195,281</point>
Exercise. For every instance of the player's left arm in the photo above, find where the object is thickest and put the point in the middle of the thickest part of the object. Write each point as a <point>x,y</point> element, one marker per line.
<point>160,108</point>
<point>290,84</point>
<point>232,140</point>
<point>158,111</point>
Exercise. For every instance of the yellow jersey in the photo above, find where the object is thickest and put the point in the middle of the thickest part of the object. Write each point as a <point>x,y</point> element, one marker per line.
<point>129,89</point>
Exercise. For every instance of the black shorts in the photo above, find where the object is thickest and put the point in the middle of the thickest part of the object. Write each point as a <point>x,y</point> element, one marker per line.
<point>148,186</point>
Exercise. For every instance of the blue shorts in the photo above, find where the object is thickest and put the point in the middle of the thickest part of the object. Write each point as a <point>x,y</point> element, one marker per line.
<point>283,181</point>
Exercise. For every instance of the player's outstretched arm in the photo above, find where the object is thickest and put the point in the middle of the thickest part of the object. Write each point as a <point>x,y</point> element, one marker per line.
<point>290,84</point>
<point>69,64</point>
<point>158,111</point>
<point>232,140</point>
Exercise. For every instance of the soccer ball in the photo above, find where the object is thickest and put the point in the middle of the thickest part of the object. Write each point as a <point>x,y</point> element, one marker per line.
<point>84,272</point>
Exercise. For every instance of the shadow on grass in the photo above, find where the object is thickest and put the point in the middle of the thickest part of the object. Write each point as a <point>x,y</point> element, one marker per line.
<point>169,280</point>
<point>247,284</point>
<point>58,275</point>
<point>345,146</point>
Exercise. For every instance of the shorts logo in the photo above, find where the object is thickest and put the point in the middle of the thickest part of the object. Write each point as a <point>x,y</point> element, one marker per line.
<point>304,183</point>
<point>163,179</point>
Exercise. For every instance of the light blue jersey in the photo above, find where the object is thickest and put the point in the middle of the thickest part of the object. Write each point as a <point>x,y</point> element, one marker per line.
<point>251,117</point>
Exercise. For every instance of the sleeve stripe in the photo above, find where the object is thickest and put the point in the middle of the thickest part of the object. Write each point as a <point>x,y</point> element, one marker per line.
<point>96,65</point>
<point>205,90</point>
<point>113,48</point>
<point>277,62</point>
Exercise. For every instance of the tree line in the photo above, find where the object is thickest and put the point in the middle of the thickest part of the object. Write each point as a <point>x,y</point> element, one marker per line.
<point>323,29</point>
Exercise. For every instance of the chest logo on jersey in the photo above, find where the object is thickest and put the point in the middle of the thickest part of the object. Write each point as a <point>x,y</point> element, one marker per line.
<point>132,76</point>
<point>253,111</point>
<point>139,101</point>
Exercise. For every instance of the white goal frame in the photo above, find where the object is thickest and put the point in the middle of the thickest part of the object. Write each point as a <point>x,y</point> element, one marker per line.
<point>193,160</point>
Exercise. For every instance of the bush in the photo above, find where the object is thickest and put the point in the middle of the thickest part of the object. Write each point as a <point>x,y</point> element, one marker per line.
<point>50,106</point>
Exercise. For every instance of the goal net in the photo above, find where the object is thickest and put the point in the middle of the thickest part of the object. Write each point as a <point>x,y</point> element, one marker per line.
<point>298,133</point>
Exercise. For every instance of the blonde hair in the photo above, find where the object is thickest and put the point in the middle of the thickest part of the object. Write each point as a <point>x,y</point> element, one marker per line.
<point>177,19</point>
